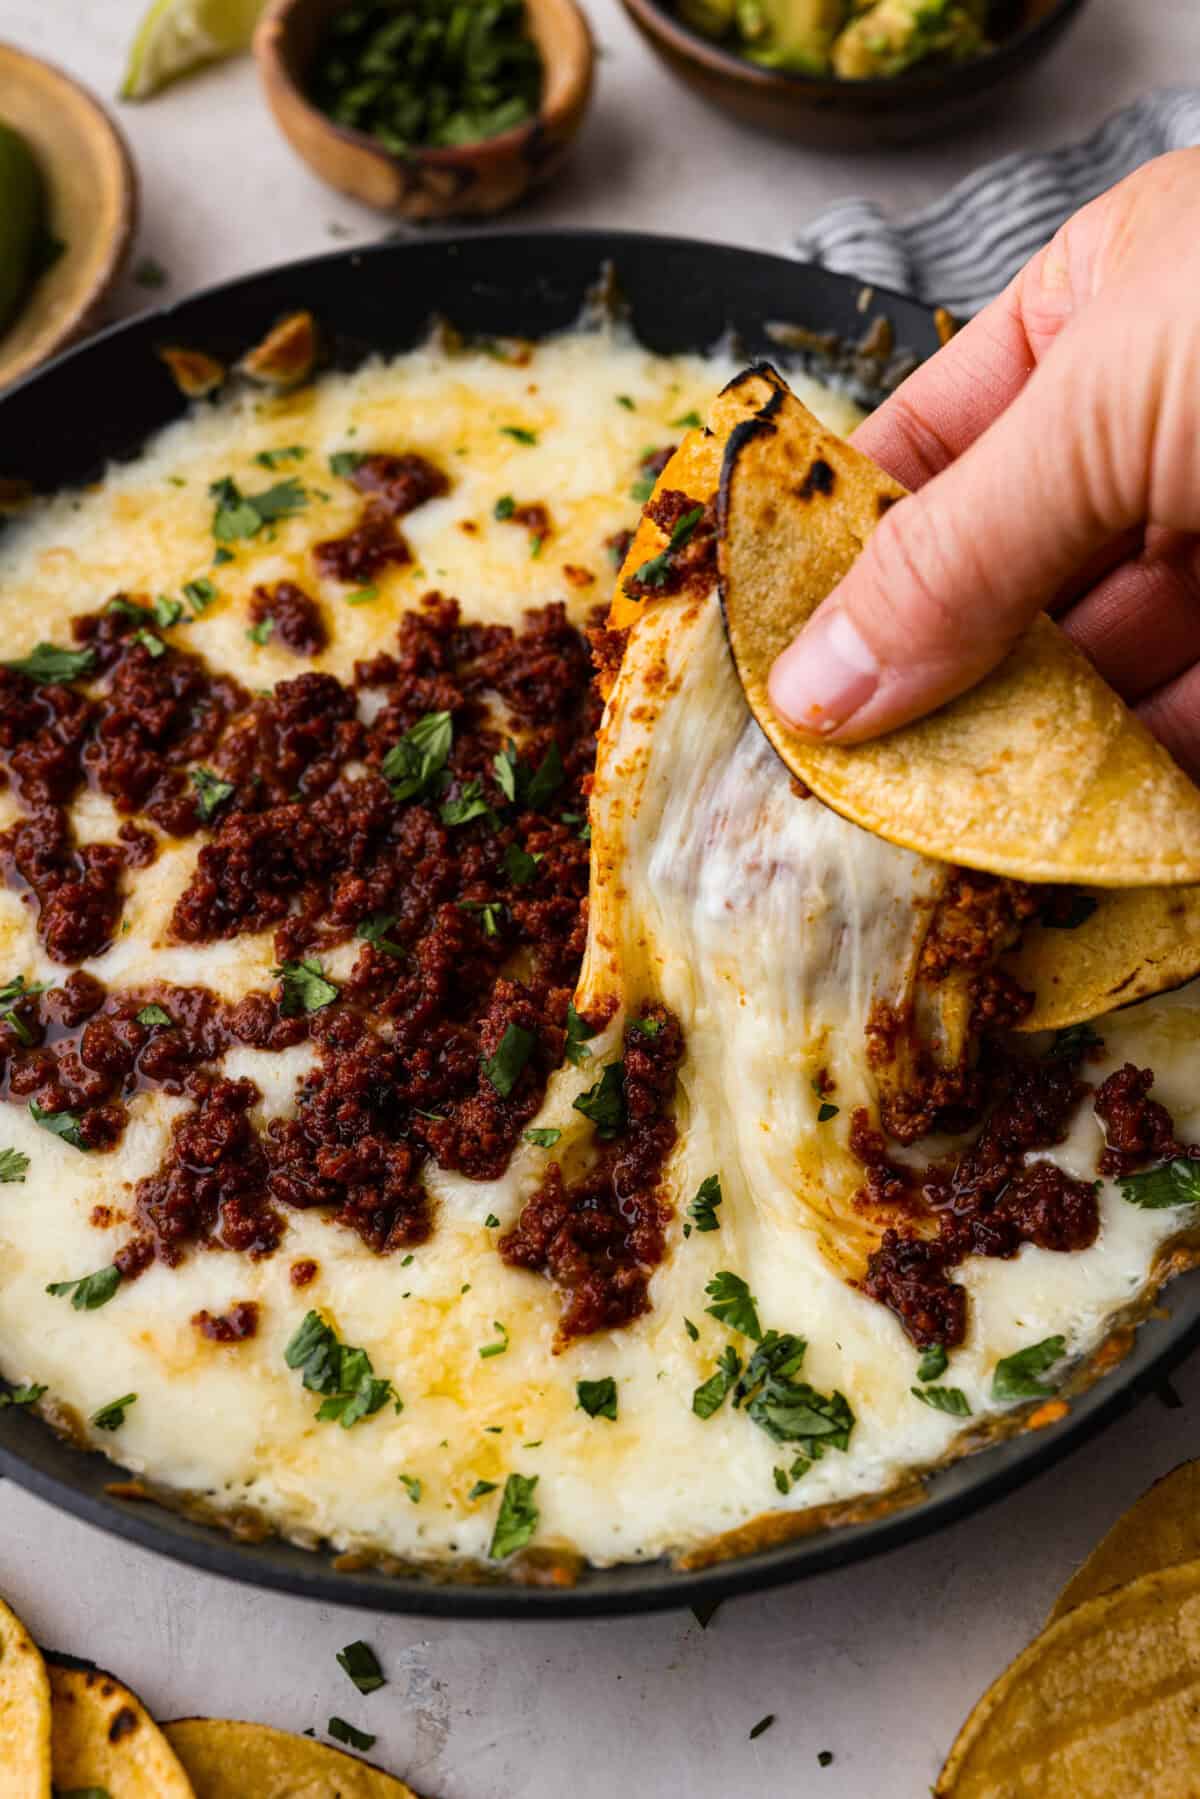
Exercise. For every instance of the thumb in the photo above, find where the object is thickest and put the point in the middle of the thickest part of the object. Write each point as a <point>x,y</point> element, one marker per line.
<point>955,573</point>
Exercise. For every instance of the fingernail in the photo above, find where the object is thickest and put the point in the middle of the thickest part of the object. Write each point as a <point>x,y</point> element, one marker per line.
<point>823,678</point>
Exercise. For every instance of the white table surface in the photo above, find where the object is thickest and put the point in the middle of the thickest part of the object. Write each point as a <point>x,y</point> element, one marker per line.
<point>877,1663</point>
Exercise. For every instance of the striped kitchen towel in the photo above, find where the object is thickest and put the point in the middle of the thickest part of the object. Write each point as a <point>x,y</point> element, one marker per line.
<point>968,245</point>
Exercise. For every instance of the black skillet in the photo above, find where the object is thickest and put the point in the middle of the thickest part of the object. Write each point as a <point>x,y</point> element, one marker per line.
<point>102,400</point>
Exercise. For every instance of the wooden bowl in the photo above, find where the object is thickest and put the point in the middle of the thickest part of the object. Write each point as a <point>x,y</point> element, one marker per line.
<point>834,114</point>
<point>427,183</point>
<point>92,205</point>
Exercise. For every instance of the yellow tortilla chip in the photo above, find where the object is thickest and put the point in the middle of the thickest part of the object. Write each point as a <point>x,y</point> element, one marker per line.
<point>1105,1702</point>
<point>1040,772</point>
<point>24,1713</point>
<point>1135,943</point>
<point>1160,1531</point>
<point>227,1759</point>
<point>103,1736</point>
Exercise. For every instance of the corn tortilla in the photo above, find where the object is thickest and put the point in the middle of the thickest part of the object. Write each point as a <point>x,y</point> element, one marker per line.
<point>103,1736</point>
<point>1106,1701</point>
<point>228,1759</point>
<point>1160,1531</point>
<point>24,1713</point>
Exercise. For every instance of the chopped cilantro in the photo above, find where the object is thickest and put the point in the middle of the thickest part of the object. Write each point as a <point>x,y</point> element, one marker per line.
<point>347,1733</point>
<point>167,611</point>
<point>153,646</point>
<point>276,458</point>
<point>626,401</point>
<point>688,421</point>
<point>543,1139</point>
<point>517,1518</point>
<point>826,1111</point>
<point>362,596</point>
<point>709,1397</point>
<point>763,1724</point>
<point>691,1330</point>
<point>14,1165</point>
<point>67,1125</point>
<point>788,1409</point>
<point>519,434</point>
<point>112,1415</point>
<point>46,664</point>
<point>1016,1377</point>
<point>243,515</point>
<point>645,1027</point>
<point>656,571</point>
<point>149,273</point>
<point>733,1304</point>
<point>504,508</point>
<point>152,1015</point>
<point>471,803</point>
<point>199,593</point>
<point>211,792</point>
<point>579,1031</point>
<point>346,462</point>
<point>415,767</point>
<point>944,1399</point>
<point>491,1222</point>
<point>305,988</point>
<point>22,1395</point>
<point>1073,1042</point>
<point>535,547</point>
<point>221,555</point>
<point>703,1209</point>
<point>504,1067</point>
<point>934,1362</point>
<point>1175,1183</point>
<point>604,1103</point>
<point>492,1349</point>
<point>520,866</point>
<point>481,1488</point>
<point>342,1373</point>
<point>489,913</point>
<point>519,785</point>
<point>374,930</point>
<point>263,631</point>
<point>88,1291</point>
<point>362,1665</point>
<point>412,1486</point>
<point>598,1398</point>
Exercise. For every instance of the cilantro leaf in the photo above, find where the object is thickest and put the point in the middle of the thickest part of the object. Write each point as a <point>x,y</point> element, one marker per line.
<point>374,930</point>
<point>604,1103</point>
<point>656,572</point>
<point>243,515</point>
<point>67,1125</point>
<point>275,458</point>
<point>342,1373</point>
<point>598,1398</point>
<point>517,1518</point>
<point>1175,1183</point>
<point>22,1395</point>
<point>493,1349</point>
<point>14,1166</point>
<point>481,1488</point>
<point>489,913</point>
<point>1016,1377</point>
<point>211,792</point>
<point>519,865</point>
<point>826,1110</point>
<point>470,804</point>
<point>691,1330</point>
<point>763,1724</point>
<point>263,631</point>
<point>522,787</point>
<point>153,646</point>
<point>519,434</point>
<point>790,1410</point>
<point>199,593</point>
<point>733,1304</point>
<point>543,1139</point>
<point>579,1032</point>
<point>88,1291</point>
<point>152,1015</point>
<point>546,779</point>
<point>362,596</point>
<point>933,1362</point>
<point>342,1732</point>
<point>412,1486</point>
<point>703,1209</point>
<point>346,462</point>
<point>305,988</point>
<point>1075,1041</point>
<point>504,1067</point>
<point>415,766</point>
<point>944,1399</point>
<point>46,664</point>
<point>112,1415</point>
<point>709,1397</point>
<point>504,508</point>
<point>167,612</point>
<point>689,421</point>
<point>362,1665</point>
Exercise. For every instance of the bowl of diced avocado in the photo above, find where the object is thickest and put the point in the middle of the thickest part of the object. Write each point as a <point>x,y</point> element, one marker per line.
<point>852,73</point>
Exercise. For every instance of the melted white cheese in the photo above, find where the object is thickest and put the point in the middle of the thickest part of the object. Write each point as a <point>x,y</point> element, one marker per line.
<point>765,922</point>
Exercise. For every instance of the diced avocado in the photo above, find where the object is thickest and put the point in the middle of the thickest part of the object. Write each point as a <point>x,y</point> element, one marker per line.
<point>794,35</point>
<point>712,18</point>
<point>892,35</point>
<point>22,221</point>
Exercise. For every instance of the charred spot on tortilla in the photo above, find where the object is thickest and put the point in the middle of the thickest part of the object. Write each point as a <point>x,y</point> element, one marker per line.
<point>820,479</point>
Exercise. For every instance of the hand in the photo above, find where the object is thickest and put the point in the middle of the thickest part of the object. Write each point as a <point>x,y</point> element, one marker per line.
<point>1055,444</point>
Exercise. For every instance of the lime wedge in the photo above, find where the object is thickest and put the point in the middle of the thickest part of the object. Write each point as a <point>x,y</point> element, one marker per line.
<point>177,36</point>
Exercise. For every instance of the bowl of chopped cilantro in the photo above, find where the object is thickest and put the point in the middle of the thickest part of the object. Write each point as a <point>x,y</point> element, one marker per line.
<point>428,108</point>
